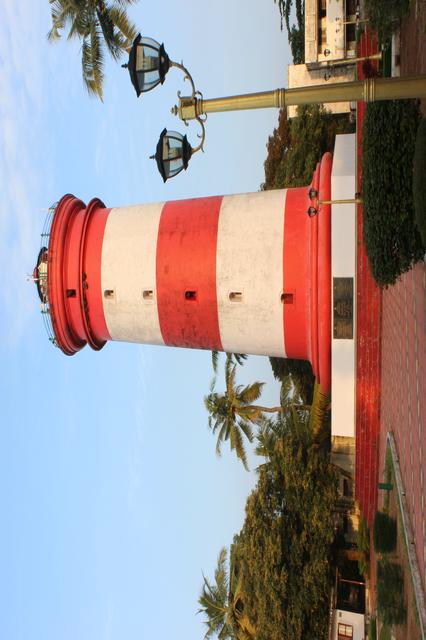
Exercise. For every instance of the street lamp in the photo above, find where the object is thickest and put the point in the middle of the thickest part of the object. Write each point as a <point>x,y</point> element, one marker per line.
<point>147,66</point>
<point>149,63</point>
<point>172,154</point>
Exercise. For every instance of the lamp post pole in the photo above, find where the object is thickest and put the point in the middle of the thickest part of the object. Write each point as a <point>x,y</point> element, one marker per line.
<point>368,90</point>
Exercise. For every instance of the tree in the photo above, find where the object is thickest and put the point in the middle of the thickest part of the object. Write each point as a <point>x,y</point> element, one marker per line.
<point>296,39</point>
<point>236,358</point>
<point>277,146</point>
<point>232,413</point>
<point>286,540</point>
<point>296,32</point>
<point>96,24</point>
<point>222,603</point>
<point>297,145</point>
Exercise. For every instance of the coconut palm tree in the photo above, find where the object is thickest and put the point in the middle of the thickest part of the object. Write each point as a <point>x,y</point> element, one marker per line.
<point>232,413</point>
<point>222,603</point>
<point>96,23</point>
<point>237,358</point>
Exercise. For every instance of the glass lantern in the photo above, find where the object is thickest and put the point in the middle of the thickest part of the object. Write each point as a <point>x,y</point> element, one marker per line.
<point>148,64</point>
<point>172,154</point>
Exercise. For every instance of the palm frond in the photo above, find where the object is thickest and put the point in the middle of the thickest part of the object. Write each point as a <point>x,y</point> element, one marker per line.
<point>238,445</point>
<point>251,392</point>
<point>123,24</point>
<point>215,360</point>
<point>92,63</point>
<point>230,373</point>
<point>239,358</point>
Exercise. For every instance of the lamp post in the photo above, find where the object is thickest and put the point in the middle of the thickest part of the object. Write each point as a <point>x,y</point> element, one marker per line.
<point>149,63</point>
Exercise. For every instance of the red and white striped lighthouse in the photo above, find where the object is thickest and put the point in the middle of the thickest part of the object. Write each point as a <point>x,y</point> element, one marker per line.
<point>243,273</point>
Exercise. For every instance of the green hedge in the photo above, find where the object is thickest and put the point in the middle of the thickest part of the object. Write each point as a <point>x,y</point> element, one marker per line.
<point>390,593</point>
<point>384,532</point>
<point>419,180</point>
<point>392,239</point>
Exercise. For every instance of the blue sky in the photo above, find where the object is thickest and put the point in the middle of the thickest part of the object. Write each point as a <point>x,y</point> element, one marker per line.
<point>113,500</point>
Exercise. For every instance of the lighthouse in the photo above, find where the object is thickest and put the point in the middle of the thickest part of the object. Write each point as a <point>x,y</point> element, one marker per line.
<point>248,273</point>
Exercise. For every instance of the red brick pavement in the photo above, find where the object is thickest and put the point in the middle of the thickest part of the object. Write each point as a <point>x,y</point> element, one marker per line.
<point>368,308</point>
<point>391,378</point>
<point>403,392</point>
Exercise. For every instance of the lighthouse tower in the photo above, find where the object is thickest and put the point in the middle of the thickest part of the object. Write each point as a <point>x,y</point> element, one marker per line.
<point>244,273</point>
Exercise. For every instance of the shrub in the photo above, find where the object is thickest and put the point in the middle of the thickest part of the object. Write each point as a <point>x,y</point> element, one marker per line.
<point>384,532</point>
<point>390,593</point>
<point>419,181</point>
<point>392,240</point>
<point>384,15</point>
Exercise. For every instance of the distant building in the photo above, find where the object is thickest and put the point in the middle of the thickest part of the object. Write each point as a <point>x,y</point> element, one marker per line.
<point>330,35</point>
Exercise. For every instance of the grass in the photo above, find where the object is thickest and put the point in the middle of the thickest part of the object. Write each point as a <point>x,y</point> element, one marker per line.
<point>385,633</point>
<point>390,590</point>
<point>388,479</point>
<point>372,629</point>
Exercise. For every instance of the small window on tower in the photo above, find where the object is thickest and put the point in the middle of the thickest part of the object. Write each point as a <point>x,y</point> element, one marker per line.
<point>236,296</point>
<point>287,297</point>
<point>191,295</point>
<point>71,293</point>
<point>109,294</point>
<point>148,295</point>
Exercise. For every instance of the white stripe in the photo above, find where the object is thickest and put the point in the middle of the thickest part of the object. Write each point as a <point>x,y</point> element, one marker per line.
<point>128,270</point>
<point>250,262</point>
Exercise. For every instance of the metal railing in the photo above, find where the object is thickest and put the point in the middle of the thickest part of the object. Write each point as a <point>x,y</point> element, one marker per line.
<point>43,278</point>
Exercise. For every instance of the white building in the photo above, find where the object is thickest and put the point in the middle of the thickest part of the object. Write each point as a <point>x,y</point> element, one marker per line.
<point>329,37</point>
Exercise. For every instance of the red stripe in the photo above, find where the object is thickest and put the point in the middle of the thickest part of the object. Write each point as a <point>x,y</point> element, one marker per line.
<point>186,262</point>
<point>324,275</point>
<point>96,216</point>
<point>297,274</point>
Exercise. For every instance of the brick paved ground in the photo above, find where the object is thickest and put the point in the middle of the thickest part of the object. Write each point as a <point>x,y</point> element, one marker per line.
<point>369,302</point>
<point>403,392</point>
<point>403,384</point>
<point>391,359</point>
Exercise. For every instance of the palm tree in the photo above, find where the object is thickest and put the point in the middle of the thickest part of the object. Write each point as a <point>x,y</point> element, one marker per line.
<point>238,358</point>
<point>222,604</point>
<point>232,413</point>
<point>96,23</point>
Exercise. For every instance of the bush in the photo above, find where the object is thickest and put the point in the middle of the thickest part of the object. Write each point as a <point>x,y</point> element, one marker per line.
<point>392,240</point>
<point>385,15</point>
<point>390,593</point>
<point>419,181</point>
<point>384,532</point>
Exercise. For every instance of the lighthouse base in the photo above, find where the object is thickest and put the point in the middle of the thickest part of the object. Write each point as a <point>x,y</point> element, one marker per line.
<point>343,307</point>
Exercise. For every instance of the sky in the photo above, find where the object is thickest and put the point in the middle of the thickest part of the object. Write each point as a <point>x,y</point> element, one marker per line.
<point>113,500</point>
